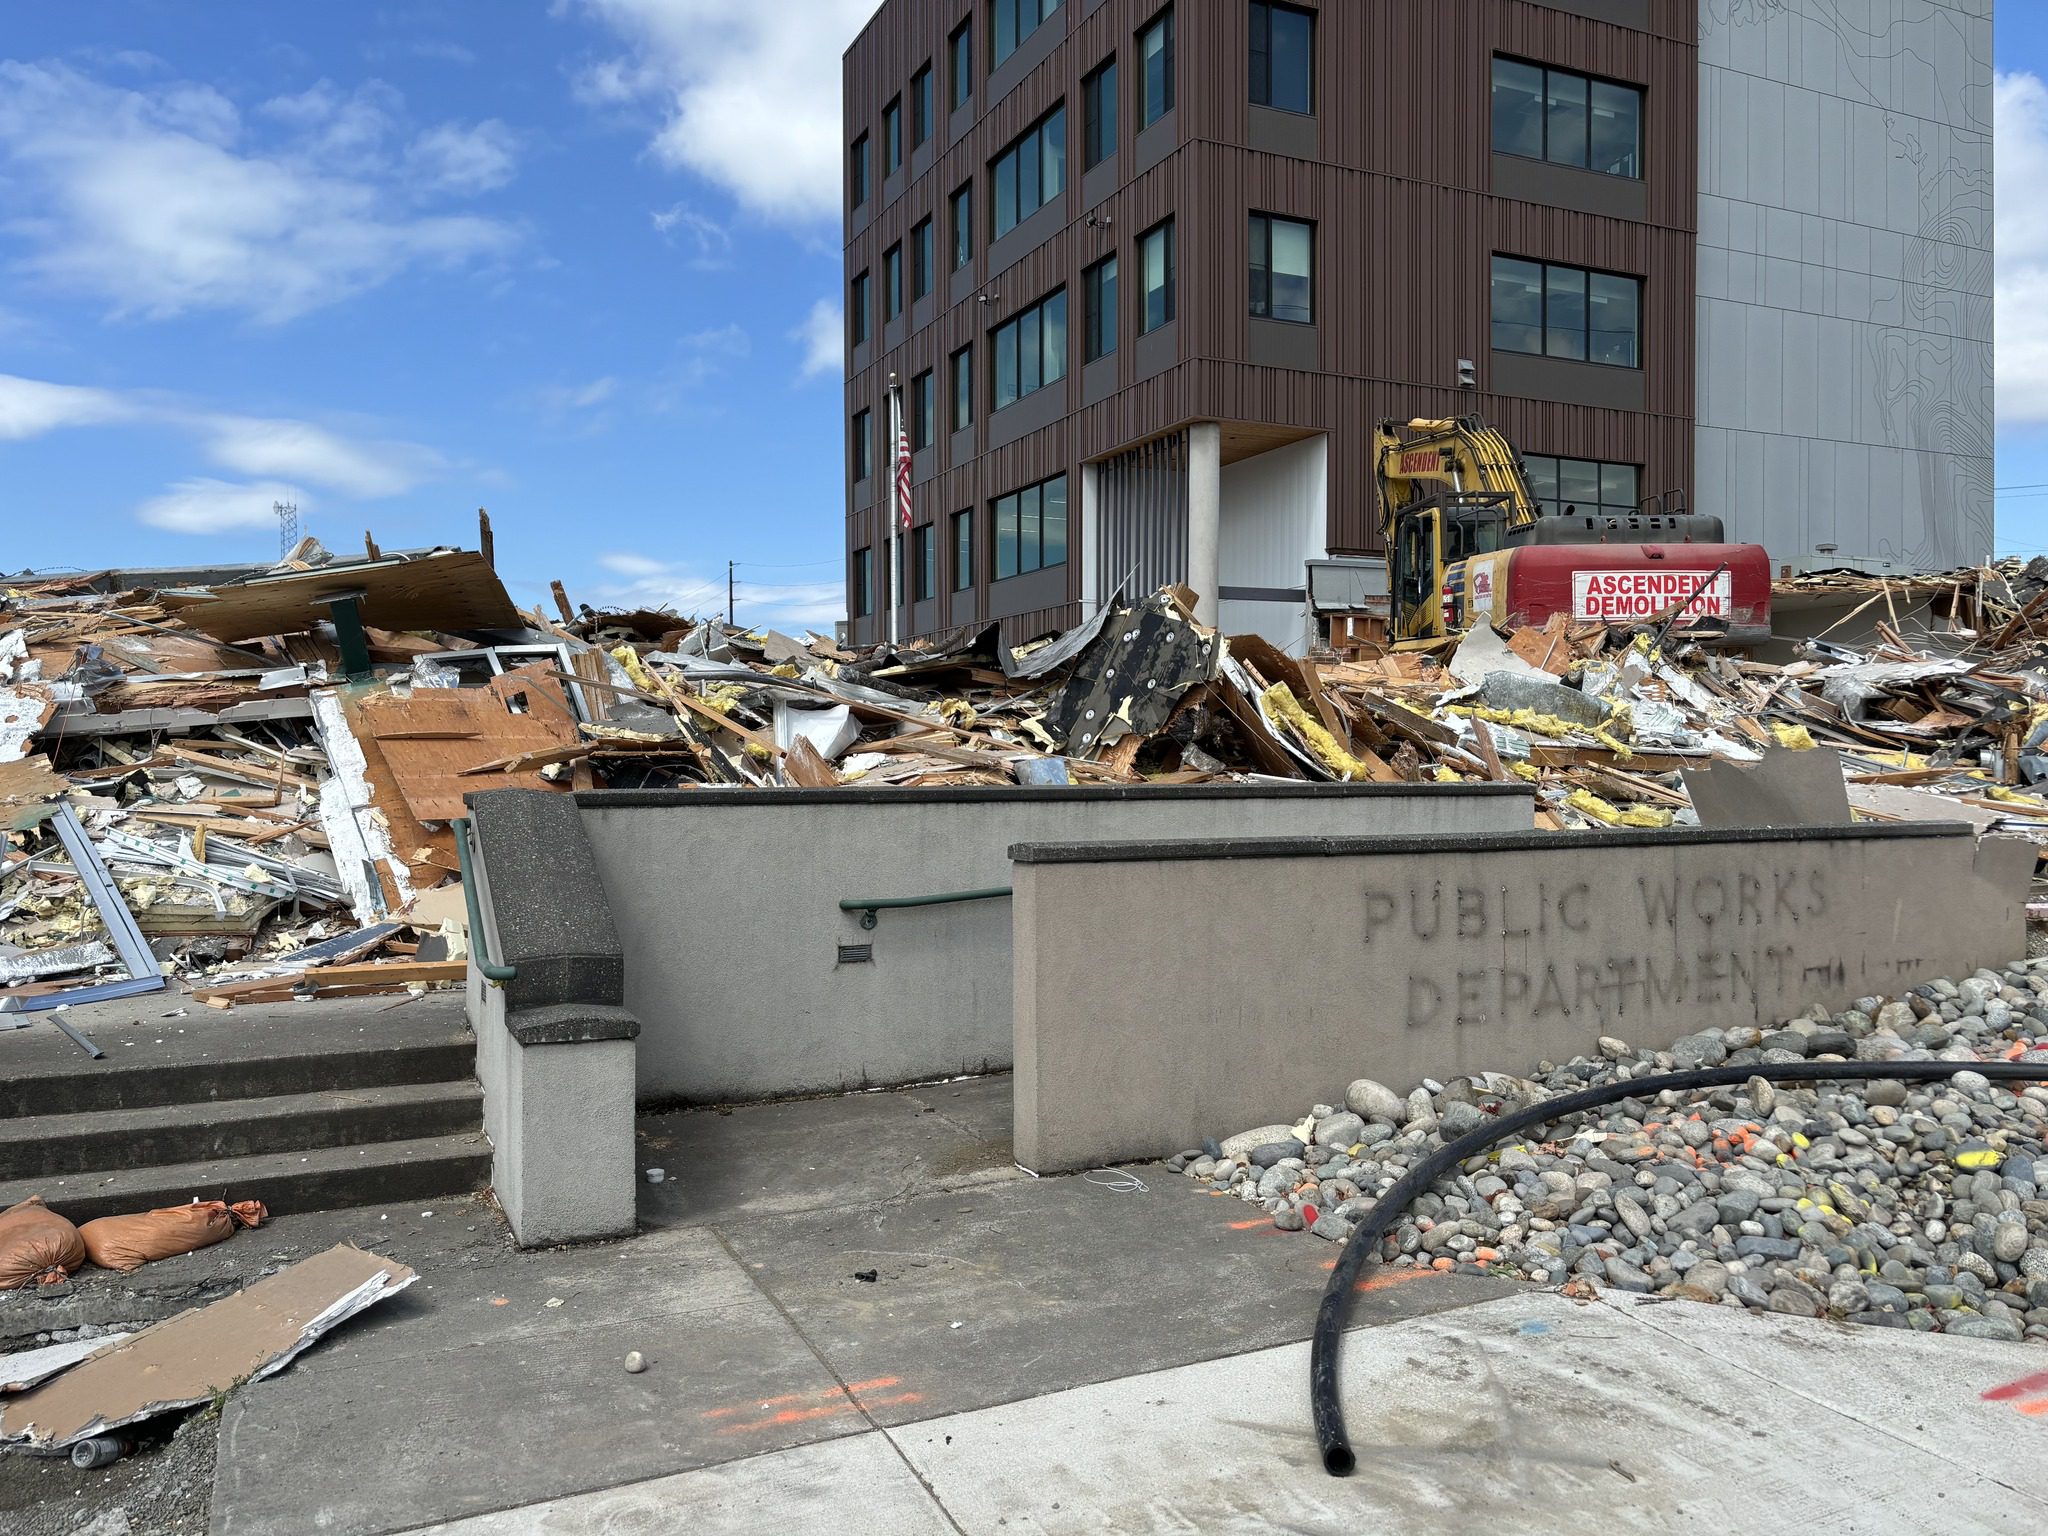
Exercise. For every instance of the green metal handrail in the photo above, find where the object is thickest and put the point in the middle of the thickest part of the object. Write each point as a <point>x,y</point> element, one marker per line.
<point>869,907</point>
<point>477,950</point>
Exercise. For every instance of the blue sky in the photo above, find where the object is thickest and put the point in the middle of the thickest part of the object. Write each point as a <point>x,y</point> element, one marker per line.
<point>576,262</point>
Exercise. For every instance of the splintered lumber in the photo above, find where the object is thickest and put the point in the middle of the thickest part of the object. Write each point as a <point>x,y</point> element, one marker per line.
<point>339,980</point>
<point>447,589</point>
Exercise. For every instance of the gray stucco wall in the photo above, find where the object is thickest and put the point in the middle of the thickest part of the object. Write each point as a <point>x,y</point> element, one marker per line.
<point>1845,277</point>
<point>1166,994</point>
<point>727,906</point>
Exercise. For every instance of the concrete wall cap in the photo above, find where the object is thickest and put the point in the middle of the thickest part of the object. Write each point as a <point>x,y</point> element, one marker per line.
<point>631,799</point>
<point>571,1024</point>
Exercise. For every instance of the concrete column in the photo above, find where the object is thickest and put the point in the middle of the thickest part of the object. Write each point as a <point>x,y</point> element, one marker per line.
<point>1205,517</point>
<point>1091,544</point>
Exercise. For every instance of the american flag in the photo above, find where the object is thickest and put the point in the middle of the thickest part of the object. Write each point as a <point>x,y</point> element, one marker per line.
<point>902,468</point>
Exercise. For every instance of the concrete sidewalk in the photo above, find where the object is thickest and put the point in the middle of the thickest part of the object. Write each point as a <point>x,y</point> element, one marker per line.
<point>1527,1413</point>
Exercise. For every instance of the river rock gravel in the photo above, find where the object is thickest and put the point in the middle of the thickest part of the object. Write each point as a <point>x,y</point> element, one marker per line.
<point>1895,1205</point>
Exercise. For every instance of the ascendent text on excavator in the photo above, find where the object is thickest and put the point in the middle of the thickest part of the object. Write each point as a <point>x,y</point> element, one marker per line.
<point>1467,542</point>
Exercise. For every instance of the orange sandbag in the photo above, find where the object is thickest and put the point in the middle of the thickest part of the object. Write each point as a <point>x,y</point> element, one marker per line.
<point>129,1242</point>
<point>37,1246</point>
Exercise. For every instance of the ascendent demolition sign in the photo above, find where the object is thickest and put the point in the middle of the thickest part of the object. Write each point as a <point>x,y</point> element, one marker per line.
<point>1621,595</point>
<point>1507,953</point>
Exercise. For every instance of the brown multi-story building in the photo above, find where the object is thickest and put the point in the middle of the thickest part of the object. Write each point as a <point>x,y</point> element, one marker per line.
<point>1148,275</point>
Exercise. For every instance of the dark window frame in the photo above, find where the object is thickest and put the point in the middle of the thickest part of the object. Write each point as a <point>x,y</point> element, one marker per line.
<point>1012,505</point>
<point>1553,505</point>
<point>1032,148</point>
<point>963,550</point>
<point>862,429</point>
<point>921,105</point>
<point>1584,332</point>
<point>923,424</point>
<point>1260,268</point>
<point>961,211</point>
<point>857,171</point>
<point>963,387</point>
<point>861,302</point>
<point>863,583</point>
<point>1261,66</point>
<point>1099,320</point>
<point>1636,157</point>
<point>922,258</point>
<point>892,282</point>
<point>924,563</point>
<point>1038,320</point>
<point>1099,109</point>
<point>1024,17</point>
<point>1149,111</point>
<point>1146,324</point>
<point>960,51</point>
<point>892,138</point>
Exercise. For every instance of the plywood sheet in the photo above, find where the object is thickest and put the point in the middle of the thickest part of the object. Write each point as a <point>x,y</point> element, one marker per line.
<point>450,589</point>
<point>191,1357</point>
<point>430,737</point>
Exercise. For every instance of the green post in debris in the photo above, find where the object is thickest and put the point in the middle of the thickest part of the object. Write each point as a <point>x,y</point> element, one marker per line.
<point>348,634</point>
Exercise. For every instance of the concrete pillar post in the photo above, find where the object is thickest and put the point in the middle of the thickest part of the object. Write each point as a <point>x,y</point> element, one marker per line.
<point>1205,517</point>
<point>1091,540</point>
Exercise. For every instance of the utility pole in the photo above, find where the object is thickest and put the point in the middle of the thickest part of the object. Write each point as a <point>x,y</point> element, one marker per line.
<point>730,622</point>
<point>287,527</point>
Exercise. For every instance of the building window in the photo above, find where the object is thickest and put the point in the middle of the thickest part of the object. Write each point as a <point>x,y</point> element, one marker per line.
<point>1031,528</point>
<point>1012,21</point>
<point>1155,69</point>
<point>857,170</point>
<point>1554,311</point>
<point>1030,350</point>
<point>1031,172</point>
<point>892,138</point>
<point>963,550</point>
<point>863,445</point>
<point>924,563</point>
<point>1098,306</point>
<point>1583,487</point>
<point>1567,119</point>
<point>963,389</point>
<point>859,305</point>
<point>863,583</point>
<point>892,282</point>
<point>1283,269</point>
<point>1283,57</point>
<point>961,46</point>
<point>1098,109</point>
<point>922,412</point>
<point>963,226</point>
<point>1155,269</point>
<point>921,259</point>
<point>920,106</point>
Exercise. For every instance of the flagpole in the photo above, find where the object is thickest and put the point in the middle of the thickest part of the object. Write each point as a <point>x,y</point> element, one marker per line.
<point>895,517</point>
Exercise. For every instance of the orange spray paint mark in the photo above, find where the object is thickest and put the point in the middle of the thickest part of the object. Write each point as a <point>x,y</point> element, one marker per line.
<point>2026,1386</point>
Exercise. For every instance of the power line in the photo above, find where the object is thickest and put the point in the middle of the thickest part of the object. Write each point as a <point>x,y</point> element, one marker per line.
<point>761,565</point>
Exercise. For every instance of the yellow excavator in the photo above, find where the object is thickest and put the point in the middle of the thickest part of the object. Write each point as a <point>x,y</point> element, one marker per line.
<point>1467,541</point>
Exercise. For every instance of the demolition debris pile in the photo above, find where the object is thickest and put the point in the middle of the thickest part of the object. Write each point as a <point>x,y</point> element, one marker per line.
<point>251,777</point>
<point>1921,1205</point>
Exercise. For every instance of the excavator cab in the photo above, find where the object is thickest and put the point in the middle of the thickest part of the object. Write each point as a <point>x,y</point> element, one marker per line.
<point>1433,539</point>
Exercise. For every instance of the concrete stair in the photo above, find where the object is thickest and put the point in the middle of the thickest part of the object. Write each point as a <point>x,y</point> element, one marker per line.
<point>305,1107</point>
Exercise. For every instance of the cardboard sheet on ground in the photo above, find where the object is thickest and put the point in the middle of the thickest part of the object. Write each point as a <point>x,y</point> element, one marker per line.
<point>447,590</point>
<point>190,1358</point>
<point>20,1371</point>
<point>1786,789</point>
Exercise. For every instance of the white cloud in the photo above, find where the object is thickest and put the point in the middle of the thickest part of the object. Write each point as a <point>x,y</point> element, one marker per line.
<point>31,407</point>
<point>216,506</point>
<point>748,95</point>
<point>655,583</point>
<point>162,199</point>
<point>2020,128</point>
<point>823,336</point>
<point>578,397</point>
<point>251,445</point>
<point>709,241</point>
<point>464,160</point>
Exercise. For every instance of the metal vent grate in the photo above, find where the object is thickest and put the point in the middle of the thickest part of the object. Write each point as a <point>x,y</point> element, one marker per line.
<point>856,954</point>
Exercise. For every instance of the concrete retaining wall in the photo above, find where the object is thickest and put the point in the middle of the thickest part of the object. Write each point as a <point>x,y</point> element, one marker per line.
<point>1175,991</point>
<point>726,905</point>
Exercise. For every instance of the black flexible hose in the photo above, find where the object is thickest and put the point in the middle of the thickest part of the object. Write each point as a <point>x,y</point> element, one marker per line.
<point>1364,1242</point>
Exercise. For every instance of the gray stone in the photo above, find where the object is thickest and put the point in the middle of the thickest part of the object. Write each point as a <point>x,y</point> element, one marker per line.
<point>1796,1298</point>
<point>1371,1100</point>
<point>1289,1219</point>
<point>1340,1130</point>
<point>1745,1289</point>
<point>1245,1141</point>
<point>1706,1049</point>
<point>1633,1216</point>
<point>1887,1298</point>
<point>1846,1298</point>
<point>2009,1241</point>
<point>1984,1328</point>
<point>1766,1248</point>
<point>1624,1276</point>
<point>1275,1151</point>
<point>1333,1225</point>
<point>1460,1119</point>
